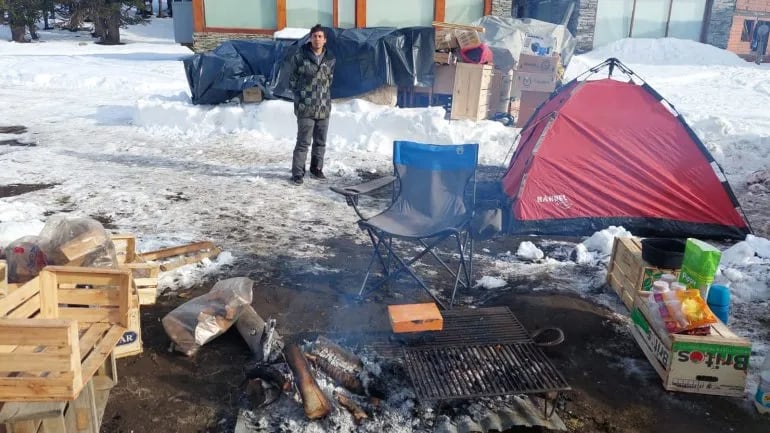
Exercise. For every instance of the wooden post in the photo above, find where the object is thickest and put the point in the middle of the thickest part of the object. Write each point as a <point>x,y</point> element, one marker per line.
<point>199,16</point>
<point>439,10</point>
<point>280,20</point>
<point>335,13</point>
<point>487,7</point>
<point>360,13</point>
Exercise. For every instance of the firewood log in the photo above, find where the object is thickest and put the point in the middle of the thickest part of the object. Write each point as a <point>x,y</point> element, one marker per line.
<point>358,414</point>
<point>314,401</point>
<point>251,327</point>
<point>324,344</point>
<point>341,377</point>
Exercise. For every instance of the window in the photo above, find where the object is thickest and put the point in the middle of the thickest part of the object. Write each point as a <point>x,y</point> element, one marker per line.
<point>346,13</point>
<point>613,21</point>
<point>399,13</point>
<point>463,11</point>
<point>305,14</point>
<point>650,19</point>
<point>250,14</point>
<point>748,30</point>
<point>686,19</point>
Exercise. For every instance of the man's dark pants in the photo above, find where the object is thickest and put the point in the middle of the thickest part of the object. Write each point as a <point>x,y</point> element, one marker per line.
<point>309,130</point>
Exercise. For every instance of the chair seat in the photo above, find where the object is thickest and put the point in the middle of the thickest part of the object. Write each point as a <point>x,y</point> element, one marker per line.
<point>414,225</point>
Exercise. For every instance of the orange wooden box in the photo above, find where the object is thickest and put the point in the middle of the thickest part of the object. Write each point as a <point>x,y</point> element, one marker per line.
<point>415,318</point>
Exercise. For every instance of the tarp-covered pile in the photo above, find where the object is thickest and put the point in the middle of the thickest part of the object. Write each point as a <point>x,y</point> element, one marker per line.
<point>366,59</point>
<point>508,37</point>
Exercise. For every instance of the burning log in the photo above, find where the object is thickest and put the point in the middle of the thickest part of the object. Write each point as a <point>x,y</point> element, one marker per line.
<point>323,344</point>
<point>343,378</point>
<point>251,327</point>
<point>269,374</point>
<point>313,399</point>
<point>358,414</point>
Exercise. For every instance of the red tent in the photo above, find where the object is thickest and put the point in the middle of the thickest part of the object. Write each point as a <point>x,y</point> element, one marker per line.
<point>608,152</point>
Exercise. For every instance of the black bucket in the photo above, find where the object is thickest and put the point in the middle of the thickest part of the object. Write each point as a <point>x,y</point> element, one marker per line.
<point>663,252</point>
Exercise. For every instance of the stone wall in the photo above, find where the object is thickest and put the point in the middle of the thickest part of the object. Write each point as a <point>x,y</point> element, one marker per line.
<point>204,41</point>
<point>720,22</point>
<point>501,8</point>
<point>586,21</point>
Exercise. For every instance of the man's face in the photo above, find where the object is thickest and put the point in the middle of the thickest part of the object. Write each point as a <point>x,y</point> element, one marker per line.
<point>318,40</point>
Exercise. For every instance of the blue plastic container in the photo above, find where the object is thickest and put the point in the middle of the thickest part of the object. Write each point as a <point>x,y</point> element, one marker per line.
<point>719,301</point>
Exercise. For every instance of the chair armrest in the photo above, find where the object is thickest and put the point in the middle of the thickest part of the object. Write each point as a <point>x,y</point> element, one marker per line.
<point>364,188</point>
<point>352,192</point>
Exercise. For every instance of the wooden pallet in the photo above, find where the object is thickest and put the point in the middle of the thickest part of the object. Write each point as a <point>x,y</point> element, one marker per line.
<point>55,334</point>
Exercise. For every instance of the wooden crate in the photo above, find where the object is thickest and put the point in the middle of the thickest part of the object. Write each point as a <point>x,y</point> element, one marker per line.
<point>715,364</point>
<point>82,415</point>
<point>3,279</point>
<point>470,92</point>
<point>55,334</point>
<point>628,273</point>
<point>130,342</point>
<point>145,274</point>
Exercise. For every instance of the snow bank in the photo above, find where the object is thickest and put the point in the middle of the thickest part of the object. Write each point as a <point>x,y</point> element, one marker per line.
<point>665,52</point>
<point>602,241</point>
<point>356,126</point>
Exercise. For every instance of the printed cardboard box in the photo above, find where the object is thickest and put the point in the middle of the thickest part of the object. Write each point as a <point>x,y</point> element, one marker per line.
<point>715,364</point>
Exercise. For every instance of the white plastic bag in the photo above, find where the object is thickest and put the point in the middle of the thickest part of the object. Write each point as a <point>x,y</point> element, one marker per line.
<point>200,320</point>
<point>78,242</point>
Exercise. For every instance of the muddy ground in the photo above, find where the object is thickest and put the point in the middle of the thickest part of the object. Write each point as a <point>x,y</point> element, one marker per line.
<point>162,391</point>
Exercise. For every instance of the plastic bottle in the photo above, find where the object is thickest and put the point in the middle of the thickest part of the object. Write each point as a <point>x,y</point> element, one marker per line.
<point>719,301</point>
<point>660,287</point>
<point>677,286</point>
<point>669,278</point>
<point>762,397</point>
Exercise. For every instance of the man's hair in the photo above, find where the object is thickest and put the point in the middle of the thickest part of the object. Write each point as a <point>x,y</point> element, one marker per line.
<point>317,28</point>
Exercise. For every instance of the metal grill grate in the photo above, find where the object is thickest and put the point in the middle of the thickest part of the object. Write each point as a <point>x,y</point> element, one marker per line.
<point>495,325</point>
<point>481,370</point>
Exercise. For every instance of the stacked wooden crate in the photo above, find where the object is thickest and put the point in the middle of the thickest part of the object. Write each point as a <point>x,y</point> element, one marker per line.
<point>57,343</point>
<point>470,95</point>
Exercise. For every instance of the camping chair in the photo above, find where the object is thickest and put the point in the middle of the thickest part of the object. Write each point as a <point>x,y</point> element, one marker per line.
<point>434,194</point>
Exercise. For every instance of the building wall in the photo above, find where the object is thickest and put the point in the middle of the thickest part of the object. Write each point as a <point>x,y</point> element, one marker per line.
<point>751,10</point>
<point>207,41</point>
<point>721,22</point>
<point>501,8</point>
<point>586,21</point>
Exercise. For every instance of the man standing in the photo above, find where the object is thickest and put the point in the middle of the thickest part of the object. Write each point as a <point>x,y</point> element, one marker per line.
<point>312,71</point>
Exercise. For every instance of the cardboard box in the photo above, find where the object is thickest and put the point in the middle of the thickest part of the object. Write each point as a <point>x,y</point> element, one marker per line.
<point>415,318</point>
<point>445,39</point>
<point>469,95</point>
<point>468,38</point>
<point>444,80</point>
<point>538,64</point>
<point>533,82</point>
<point>715,364</point>
<point>528,104</point>
<point>628,273</point>
<point>252,94</point>
<point>443,58</point>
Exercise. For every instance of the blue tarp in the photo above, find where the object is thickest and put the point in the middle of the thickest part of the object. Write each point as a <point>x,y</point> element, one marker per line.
<point>366,59</point>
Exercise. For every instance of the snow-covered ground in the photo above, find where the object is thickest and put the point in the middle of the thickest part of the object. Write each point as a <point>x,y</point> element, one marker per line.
<point>116,132</point>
